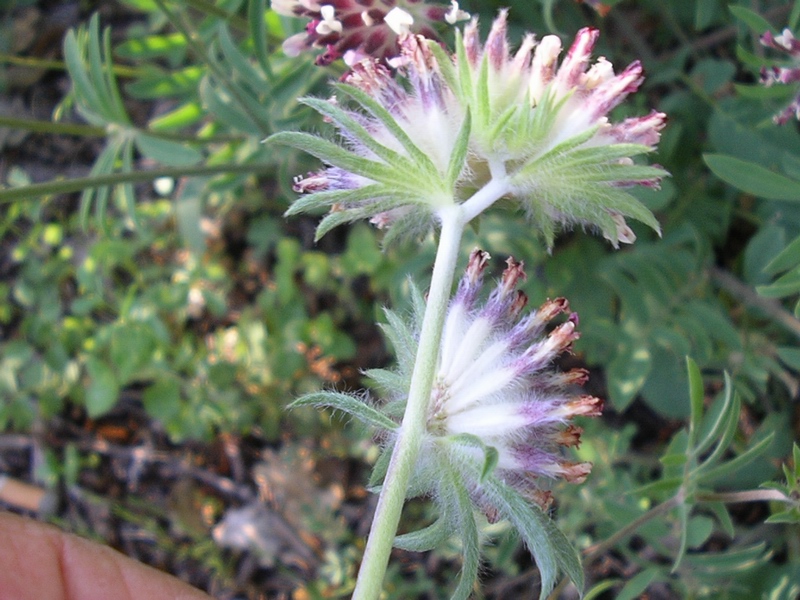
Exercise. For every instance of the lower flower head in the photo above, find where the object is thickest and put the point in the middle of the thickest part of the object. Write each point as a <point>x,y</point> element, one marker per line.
<point>496,379</point>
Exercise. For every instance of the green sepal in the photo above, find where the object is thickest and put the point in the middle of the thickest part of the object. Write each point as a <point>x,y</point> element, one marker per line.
<point>379,470</point>
<point>349,215</point>
<point>346,403</point>
<point>386,381</point>
<point>355,129</point>
<point>339,157</point>
<point>468,530</point>
<point>482,96</point>
<point>315,200</point>
<point>550,548</point>
<point>459,156</point>
<point>446,68</point>
<point>384,116</point>
<point>425,539</point>
<point>465,89</point>
<point>402,338</point>
<point>490,455</point>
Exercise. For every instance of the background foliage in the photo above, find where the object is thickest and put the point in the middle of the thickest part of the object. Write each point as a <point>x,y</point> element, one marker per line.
<point>157,313</point>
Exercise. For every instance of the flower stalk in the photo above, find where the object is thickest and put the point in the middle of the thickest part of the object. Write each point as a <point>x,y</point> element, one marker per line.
<point>404,455</point>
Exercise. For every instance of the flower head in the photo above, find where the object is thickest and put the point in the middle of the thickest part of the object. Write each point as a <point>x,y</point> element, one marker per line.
<point>788,44</point>
<point>357,29</point>
<point>483,124</point>
<point>496,380</point>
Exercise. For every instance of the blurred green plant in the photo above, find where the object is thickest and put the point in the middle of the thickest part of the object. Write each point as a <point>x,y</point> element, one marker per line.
<point>132,298</point>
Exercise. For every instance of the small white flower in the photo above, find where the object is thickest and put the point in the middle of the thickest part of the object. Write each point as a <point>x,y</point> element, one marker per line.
<point>328,24</point>
<point>399,20</point>
<point>455,14</point>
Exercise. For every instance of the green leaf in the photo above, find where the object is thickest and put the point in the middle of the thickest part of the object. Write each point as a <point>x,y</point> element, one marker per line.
<point>258,33</point>
<point>696,398</point>
<point>255,81</point>
<point>732,560</point>
<point>740,461</point>
<point>699,529</point>
<point>172,46</point>
<point>167,152</point>
<point>386,381</point>
<point>727,417</point>
<point>103,390</point>
<point>753,178</point>
<point>720,511</point>
<point>379,470</point>
<point>628,372</point>
<point>162,399</point>
<point>787,258</point>
<point>753,20</point>
<point>785,285</point>
<point>346,403</point>
<point>683,520</point>
<point>638,584</point>
<point>221,105</point>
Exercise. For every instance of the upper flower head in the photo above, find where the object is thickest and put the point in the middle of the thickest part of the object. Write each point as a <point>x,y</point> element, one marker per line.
<point>483,124</point>
<point>496,380</point>
<point>357,29</point>
<point>787,43</point>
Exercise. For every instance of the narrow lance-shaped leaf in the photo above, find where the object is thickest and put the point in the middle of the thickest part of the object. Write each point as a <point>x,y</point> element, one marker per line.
<point>696,397</point>
<point>258,33</point>
<point>753,178</point>
<point>718,427</point>
<point>737,463</point>
<point>728,430</point>
<point>346,403</point>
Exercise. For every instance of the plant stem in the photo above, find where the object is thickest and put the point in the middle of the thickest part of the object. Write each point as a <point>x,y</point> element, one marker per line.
<point>726,497</point>
<point>81,183</point>
<point>404,455</point>
<point>57,128</point>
